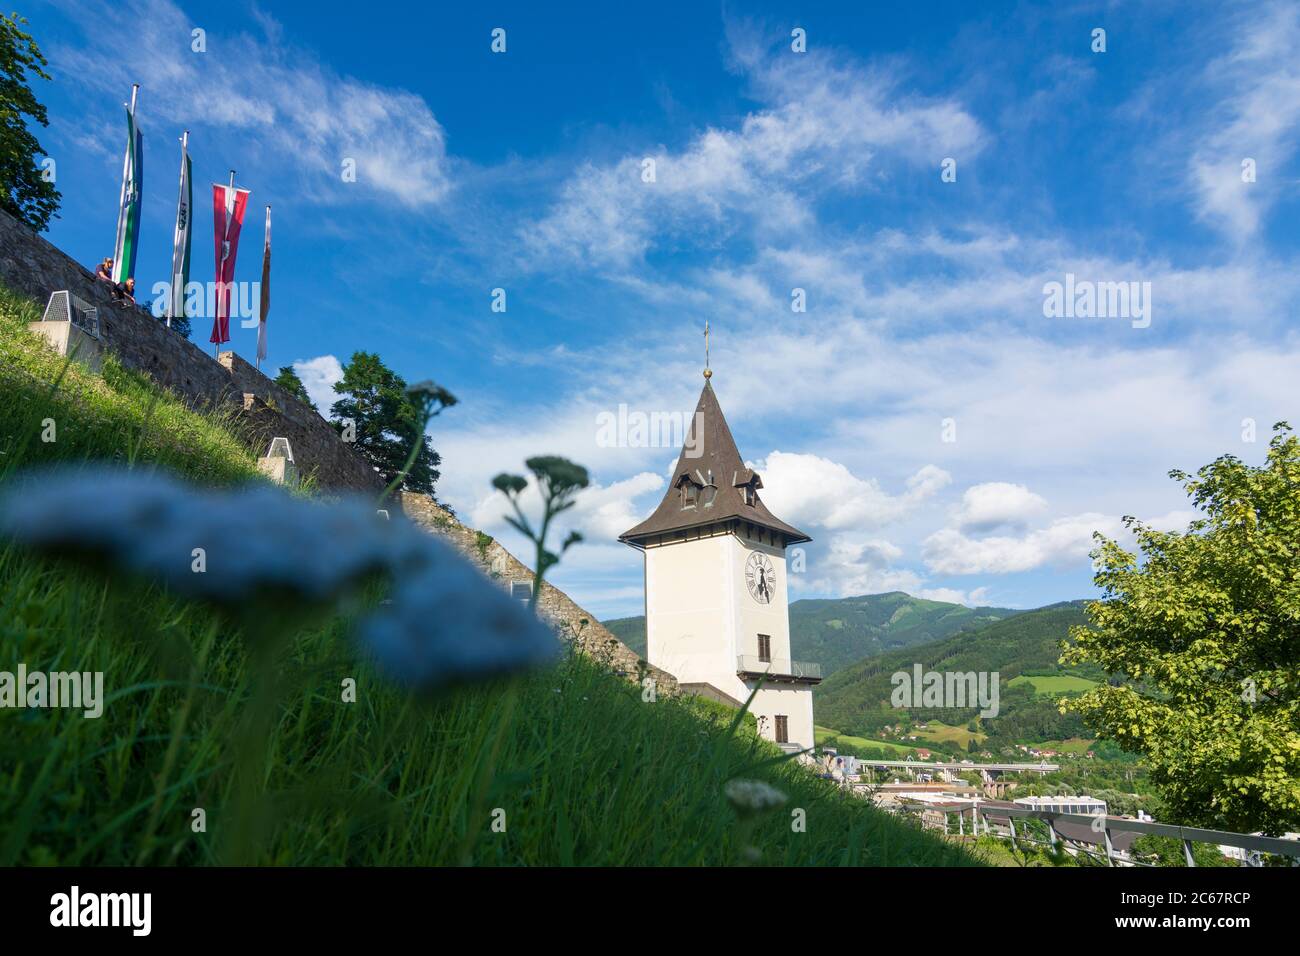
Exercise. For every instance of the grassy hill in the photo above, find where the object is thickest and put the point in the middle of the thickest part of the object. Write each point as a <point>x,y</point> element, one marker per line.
<point>1024,650</point>
<point>578,768</point>
<point>841,631</point>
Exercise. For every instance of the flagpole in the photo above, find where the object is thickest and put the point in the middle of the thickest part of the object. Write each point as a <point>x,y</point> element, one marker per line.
<point>126,166</point>
<point>180,198</point>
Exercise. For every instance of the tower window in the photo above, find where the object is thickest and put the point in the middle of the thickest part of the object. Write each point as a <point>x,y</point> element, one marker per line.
<point>765,648</point>
<point>689,489</point>
<point>748,482</point>
<point>782,729</point>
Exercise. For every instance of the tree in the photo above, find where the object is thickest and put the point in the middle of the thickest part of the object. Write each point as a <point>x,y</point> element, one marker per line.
<point>289,381</point>
<point>180,325</point>
<point>25,192</point>
<point>386,422</point>
<point>1167,851</point>
<point>1206,632</point>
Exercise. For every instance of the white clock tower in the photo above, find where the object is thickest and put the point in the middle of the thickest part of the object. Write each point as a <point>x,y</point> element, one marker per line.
<point>716,600</point>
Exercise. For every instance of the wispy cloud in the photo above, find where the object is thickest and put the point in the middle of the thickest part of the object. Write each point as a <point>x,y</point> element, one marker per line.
<point>269,97</point>
<point>823,122</point>
<point>1256,119</point>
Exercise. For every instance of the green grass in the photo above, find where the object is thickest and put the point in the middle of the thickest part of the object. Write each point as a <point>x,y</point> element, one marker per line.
<point>119,416</point>
<point>574,764</point>
<point>938,732</point>
<point>1058,684</point>
<point>823,734</point>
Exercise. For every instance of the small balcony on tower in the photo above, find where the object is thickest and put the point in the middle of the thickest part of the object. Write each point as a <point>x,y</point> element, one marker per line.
<point>778,671</point>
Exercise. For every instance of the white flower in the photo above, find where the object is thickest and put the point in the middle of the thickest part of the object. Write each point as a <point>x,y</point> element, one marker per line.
<point>753,796</point>
<point>444,621</point>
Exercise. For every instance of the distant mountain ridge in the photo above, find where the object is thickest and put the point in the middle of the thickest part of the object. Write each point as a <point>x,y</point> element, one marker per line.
<point>856,699</point>
<point>837,632</point>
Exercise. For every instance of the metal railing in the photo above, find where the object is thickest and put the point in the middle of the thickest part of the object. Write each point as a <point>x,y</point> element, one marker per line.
<point>752,664</point>
<point>66,307</point>
<point>1104,826</point>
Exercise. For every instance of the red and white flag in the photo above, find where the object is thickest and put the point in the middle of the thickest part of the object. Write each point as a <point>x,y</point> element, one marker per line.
<point>228,204</point>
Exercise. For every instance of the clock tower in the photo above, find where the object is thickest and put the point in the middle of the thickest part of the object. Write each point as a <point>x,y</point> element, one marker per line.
<point>716,597</point>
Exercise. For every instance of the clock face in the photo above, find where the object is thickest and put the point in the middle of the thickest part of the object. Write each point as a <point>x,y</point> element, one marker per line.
<point>760,576</point>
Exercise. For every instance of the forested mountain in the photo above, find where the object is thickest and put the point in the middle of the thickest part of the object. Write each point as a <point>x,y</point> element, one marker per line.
<point>856,699</point>
<point>841,631</point>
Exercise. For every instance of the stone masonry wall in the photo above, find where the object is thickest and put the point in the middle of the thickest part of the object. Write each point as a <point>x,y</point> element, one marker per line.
<point>556,606</point>
<point>31,265</point>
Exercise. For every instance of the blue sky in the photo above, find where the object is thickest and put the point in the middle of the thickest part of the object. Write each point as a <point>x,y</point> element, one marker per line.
<point>774,171</point>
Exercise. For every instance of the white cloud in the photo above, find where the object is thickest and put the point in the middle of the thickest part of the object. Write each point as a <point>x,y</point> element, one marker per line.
<point>1065,540</point>
<point>1258,118</point>
<point>267,97</point>
<point>815,491</point>
<point>984,507</point>
<point>821,127</point>
<point>319,376</point>
<point>853,565</point>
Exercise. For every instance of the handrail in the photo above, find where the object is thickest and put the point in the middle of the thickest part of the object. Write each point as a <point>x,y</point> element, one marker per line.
<point>753,664</point>
<point>1245,841</point>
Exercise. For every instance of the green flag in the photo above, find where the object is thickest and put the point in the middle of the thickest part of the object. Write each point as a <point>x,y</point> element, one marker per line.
<point>128,213</point>
<point>180,276</point>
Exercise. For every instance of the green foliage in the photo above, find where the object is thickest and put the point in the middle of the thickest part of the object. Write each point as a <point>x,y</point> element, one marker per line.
<point>389,422</point>
<point>24,192</point>
<point>558,480</point>
<point>1166,851</point>
<point>289,381</point>
<point>1206,629</point>
<point>856,699</point>
<point>838,632</point>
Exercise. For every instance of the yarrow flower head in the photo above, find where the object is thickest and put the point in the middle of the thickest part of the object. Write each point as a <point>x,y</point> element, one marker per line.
<point>484,632</point>
<point>254,539</point>
<point>444,621</point>
<point>752,797</point>
<point>430,397</point>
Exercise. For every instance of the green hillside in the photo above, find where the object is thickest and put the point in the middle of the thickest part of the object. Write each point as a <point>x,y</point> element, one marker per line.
<point>856,700</point>
<point>837,632</point>
<point>570,759</point>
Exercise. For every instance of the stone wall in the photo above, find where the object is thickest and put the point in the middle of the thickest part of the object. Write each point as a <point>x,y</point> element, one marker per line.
<point>572,621</point>
<point>31,265</point>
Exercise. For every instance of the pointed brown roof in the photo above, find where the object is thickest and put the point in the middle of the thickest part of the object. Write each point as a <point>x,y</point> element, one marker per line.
<point>711,455</point>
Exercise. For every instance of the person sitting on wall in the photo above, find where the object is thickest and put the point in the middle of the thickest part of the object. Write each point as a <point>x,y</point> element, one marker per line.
<point>105,270</point>
<point>124,292</point>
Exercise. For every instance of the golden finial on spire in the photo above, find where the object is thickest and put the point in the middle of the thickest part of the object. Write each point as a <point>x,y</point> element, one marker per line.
<point>708,373</point>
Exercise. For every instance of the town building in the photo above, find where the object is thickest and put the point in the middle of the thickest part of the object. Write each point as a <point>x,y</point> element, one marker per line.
<point>716,584</point>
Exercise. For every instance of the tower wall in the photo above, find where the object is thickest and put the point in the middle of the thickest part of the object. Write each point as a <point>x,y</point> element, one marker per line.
<point>690,612</point>
<point>700,617</point>
<point>752,618</point>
